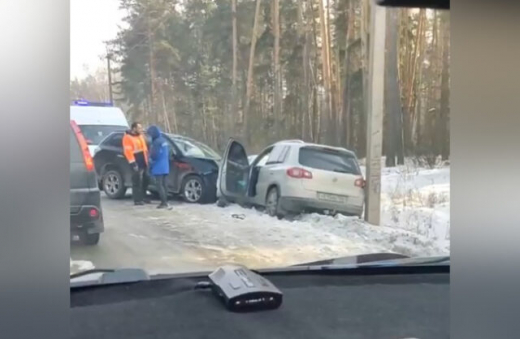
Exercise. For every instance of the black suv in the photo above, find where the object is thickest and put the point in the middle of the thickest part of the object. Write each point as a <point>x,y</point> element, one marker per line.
<point>193,169</point>
<point>86,217</point>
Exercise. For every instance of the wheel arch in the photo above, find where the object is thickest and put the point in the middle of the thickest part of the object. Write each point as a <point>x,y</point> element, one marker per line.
<point>271,186</point>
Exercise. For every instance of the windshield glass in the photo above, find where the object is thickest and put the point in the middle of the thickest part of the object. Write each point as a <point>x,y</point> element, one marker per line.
<point>287,81</point>
<point>192,148</point>
<point>94,134</point>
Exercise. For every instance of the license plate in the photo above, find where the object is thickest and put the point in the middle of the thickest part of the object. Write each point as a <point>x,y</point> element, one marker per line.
<point>332,198</point>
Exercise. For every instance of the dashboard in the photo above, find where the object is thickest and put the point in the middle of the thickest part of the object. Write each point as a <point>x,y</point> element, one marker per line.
<point>383,302</point>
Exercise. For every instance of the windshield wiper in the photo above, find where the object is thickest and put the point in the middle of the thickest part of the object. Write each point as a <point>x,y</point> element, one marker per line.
<point>108,276</point>
<point>389,263</point>
<point>89,272</point>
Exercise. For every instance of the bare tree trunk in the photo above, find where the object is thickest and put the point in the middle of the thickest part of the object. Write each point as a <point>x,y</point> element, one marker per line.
<point>167,125</point>
<point>393,98</point>
<point>345,109</point>
<point>303,36</point>
<point>277,73</point>
<point>325,49</point>
<point>154,116</point>
<point>249,87</point>
<point>444,138</point>
<point>316,107</point>
<point>412,90</point>
<point>229,121</point>
<point>419,93</point>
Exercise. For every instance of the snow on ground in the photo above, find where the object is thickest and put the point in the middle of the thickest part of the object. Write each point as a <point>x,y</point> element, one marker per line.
<point>80,265</point>
<point>417,199</point>
<point>247,236</point>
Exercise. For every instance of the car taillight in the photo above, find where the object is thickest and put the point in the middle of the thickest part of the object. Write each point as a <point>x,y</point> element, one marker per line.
<point>93,213</point>
<point>360,183</point>
<point>89,162</point>
<point>299,173</point>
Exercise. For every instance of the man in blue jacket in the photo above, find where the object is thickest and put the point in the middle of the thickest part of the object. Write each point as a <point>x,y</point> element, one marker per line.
<point>160,163</point>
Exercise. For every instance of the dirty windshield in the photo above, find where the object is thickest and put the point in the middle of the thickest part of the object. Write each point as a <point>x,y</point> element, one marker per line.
<point>190,147</point>
<point>251,136</point>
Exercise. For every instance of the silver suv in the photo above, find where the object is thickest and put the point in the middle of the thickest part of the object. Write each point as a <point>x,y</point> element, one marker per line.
<point>293,176</point>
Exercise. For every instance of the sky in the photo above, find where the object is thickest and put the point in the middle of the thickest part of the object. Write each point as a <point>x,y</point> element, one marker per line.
<point>91,23</point>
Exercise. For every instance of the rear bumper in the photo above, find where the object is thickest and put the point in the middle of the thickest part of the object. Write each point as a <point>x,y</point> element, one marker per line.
<point>296,205</point>
<point>82,221</point>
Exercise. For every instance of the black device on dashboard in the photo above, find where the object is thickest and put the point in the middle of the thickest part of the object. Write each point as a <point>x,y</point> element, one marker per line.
<point>243,290</point>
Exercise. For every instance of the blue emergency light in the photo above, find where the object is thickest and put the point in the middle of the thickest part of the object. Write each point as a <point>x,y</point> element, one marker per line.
<point>87,103</point>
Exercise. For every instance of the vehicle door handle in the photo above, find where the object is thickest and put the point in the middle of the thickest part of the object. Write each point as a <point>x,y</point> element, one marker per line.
<point>120,156</point>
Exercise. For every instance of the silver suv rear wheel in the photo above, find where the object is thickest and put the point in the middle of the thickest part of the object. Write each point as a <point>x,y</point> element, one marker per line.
<point>272,202</point>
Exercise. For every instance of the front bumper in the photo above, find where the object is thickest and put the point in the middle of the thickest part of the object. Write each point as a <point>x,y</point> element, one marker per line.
<point>297,205</point>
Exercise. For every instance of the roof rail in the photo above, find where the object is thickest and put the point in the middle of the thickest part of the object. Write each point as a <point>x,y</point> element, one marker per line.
<point>293,140</point>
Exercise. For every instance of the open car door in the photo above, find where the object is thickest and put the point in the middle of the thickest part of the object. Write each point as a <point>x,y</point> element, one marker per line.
<point>233,176</point>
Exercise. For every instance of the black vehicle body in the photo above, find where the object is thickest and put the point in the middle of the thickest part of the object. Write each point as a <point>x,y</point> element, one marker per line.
<point>111,164</point>
<point>86,217</point>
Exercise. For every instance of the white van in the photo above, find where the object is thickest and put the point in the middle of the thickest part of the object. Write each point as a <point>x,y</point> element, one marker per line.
<point>97,120</point>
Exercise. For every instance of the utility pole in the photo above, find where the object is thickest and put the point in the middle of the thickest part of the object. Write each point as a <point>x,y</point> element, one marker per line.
<point>376,87</point>
<point>109,71</point>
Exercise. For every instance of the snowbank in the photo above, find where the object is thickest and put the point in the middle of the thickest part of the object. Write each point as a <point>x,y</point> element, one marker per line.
<point>247,236</point>
<point>417,199</point>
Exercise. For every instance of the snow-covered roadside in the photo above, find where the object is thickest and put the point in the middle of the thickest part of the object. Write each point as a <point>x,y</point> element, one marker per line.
<point>417,199</point>
<point>80,265</point>
<point>250,237</point>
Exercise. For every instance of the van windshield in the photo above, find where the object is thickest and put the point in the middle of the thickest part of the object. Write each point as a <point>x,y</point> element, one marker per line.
<point>94,134</point>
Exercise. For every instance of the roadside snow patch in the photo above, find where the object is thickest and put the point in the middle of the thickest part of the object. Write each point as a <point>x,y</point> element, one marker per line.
<point>80,265</point>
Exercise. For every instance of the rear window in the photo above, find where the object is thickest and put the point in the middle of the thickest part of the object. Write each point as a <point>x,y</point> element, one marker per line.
<point>94,134</point>
<point>328,160</point>
<point>75,150</point>
<point>115,141</point>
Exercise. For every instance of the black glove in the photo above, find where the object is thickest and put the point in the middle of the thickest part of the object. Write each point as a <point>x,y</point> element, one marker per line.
<point>135,168</point>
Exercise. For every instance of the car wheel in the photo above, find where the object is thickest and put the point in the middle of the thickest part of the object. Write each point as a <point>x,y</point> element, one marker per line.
<point>89,239</point>
<point>272,203</point>
<point>193,189</point>
<point>113,184</point>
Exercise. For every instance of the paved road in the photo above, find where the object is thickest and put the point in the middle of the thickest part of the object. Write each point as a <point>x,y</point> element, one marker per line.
<point>193,237</point>
<point>133,238</point>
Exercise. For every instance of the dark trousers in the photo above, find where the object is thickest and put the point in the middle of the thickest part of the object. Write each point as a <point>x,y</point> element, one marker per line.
<point>162,188</point>
<point>140,181</point>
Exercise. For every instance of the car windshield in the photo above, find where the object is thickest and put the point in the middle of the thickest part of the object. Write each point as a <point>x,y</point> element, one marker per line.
<point>94,134</point>
<point>193,148</point>
<point>293,149</point>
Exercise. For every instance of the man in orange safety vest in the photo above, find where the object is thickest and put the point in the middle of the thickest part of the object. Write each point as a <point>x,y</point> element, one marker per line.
<point>136,153</point>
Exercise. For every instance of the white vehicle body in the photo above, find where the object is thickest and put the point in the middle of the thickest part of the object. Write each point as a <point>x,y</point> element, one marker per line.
<point>96,122</point>
<point>293,176</point>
